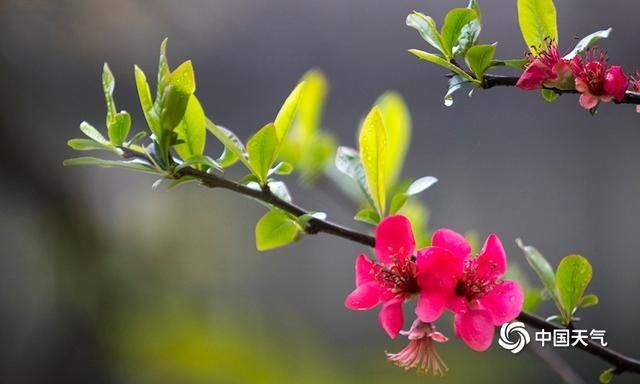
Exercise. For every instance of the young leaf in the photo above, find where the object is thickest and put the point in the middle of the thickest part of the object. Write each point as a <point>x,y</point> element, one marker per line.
<point>88,145</point>
<point>606,376</point>
<point>373,143</point>
<point>163,69</point>
<point>479,57</point>
<point>397,122</point>
<point>275,229</point>
<point>587,42</point>
<point>348,162</point>
<point>369,216</point>
<point>279,189</point>
<point>572,277</point>
<point>420,185</point>
<point>232,145</point>
<point>181,87</point>
<point>544,271</point>
<point>513,63</point>
<point>131,164</point>
<point>454,22</point>
<point>310,104</point>
<point>397,202</point>
<point>455,83</point>
<point>287,112</point>
<point>282,168</point>
<point>549,95</point>
<point>427,29</point>
<point>537,20</point>
<point>441,61</point>
<point>92,133</point>
<point>118,124</point>
<point>191,131</point>
<point>588,301</point>
<point>144,94</point>
<point>262,151</point>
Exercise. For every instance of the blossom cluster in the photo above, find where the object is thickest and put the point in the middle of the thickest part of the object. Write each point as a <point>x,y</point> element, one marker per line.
<point>443,276</point>
<point>590,74</point>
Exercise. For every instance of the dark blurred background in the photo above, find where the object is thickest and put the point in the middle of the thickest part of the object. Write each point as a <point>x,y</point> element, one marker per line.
<point>106,280</point>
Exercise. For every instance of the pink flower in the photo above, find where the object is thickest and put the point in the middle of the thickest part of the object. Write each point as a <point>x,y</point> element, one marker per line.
<point>392,278</point>
<point>469,286</point>
<point>596,81</point>
<point>546,69</point>
<point>420,353</point>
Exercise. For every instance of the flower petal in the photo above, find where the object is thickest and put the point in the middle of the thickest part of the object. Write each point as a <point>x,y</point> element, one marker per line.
<point>391,317</point>
<point>364,270</point>
<point>475,329</point>
<point>492,262</point>
<point>616,82</point>
<point>587,101</point>
<point>394,240</point>
<point>451,241</point>
<point>504,302</point>
<point>430,306</point>
<point>365,296</point>
<point>533,76</point>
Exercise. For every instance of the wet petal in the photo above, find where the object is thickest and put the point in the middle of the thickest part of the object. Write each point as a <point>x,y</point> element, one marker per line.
<point>451,241</point>
<point>440,263</point>
<point>365,296</point>
<point>391,316</point>
<point>394,239</point>
<point>492,262</point>
<point>504,302</point>
<point>533,76</point>
<point>616,82</point>
<point>475,329</point>
<point>457,304</point>
<point>364,270</point>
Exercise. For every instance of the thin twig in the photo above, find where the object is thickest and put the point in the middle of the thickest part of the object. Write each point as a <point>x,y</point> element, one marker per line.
<point>491,81</point>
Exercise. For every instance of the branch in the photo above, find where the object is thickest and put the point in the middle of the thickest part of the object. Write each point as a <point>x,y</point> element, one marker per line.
<point>490,81</point>
<point>621,362</point>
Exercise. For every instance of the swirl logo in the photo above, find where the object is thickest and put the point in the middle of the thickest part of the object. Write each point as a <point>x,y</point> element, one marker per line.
<point>514,336</point>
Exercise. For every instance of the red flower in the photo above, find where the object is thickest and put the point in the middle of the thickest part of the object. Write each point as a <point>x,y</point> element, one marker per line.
<point>392,279</point>
<point>420,353</point>
<point>546,68</point>
<point>469,286</point>
<point>596,81</point>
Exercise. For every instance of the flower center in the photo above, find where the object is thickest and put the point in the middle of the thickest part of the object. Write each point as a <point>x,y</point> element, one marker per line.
<point>398,278</point>
<point>475,282</point>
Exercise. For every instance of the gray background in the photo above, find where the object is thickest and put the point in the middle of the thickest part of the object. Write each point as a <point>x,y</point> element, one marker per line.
<point>80,247</point>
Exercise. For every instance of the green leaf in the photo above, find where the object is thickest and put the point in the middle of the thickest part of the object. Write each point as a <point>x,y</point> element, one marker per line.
<point>479,57</point>
<point>348,162</point>
<point>131,164</point>
<point>468,37</point>
<point>572,277</point>
<point>544,271</point>
<point>607,376</point>
<point>373,143</point>
<point>275,229</point>
<point>191,131</point>
<point>181,87</point>
<point>397,122</point>
<point>262,151</point>
<point>234,149</point>
<point>454,23</point>
<point>587,42</point>
<point>549,95</point>
<point>310,104</point>
<point>163,69</point>
<point>88,145</point>
<point>441,61</point>
<point>92,133</point>
<point>537,20</point>
<point>397,202</point>
<point>513,63</point>
<point>287,112</point>
<point>118,124</point>
<point>282,168</point>
<point>473,4</point>
<point>199,160</point>
<point>108,85</point>
<point>588,301</point>
<point>420,185</point>
<point>144,94</point>
<point>369,216</point>
<point>427,29</point>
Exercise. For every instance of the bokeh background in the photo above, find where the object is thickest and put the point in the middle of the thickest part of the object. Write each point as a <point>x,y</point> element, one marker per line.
<point>106,280</point>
